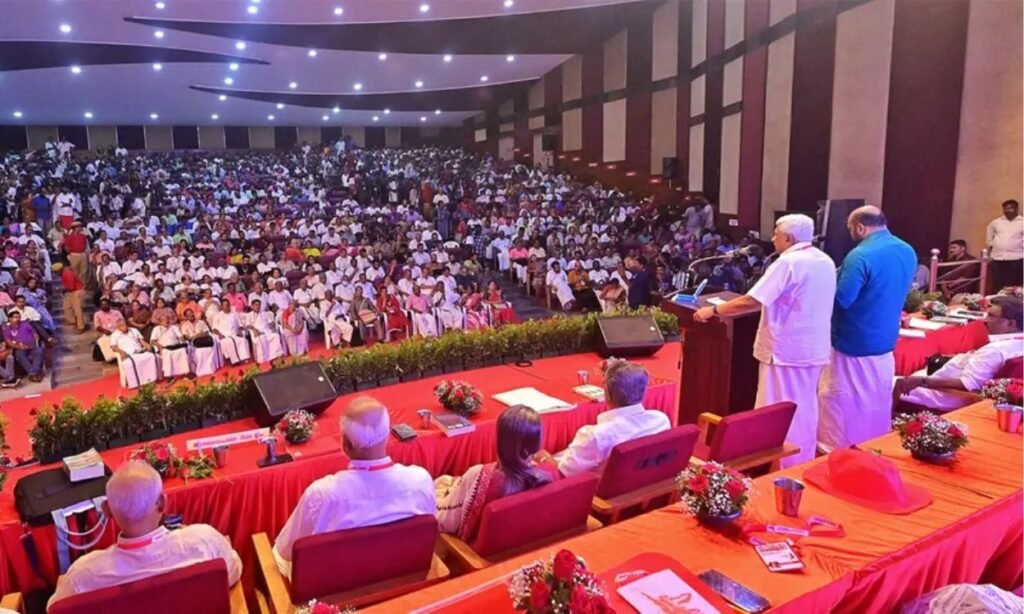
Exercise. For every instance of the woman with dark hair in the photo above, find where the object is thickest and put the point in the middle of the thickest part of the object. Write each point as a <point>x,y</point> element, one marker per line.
<point>461,501</point>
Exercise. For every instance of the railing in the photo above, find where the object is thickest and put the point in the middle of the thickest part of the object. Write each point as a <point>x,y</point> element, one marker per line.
<point>954,272</point>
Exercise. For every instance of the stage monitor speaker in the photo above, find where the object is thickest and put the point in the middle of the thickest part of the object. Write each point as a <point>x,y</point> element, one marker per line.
<point>623,336</point>
<point>548,142</point>
<point>833,235</point>
<point>668,168</point>
<point>279,391</point>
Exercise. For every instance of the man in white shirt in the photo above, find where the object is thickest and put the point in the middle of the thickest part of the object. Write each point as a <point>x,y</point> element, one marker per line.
<point>144,548</point>
<point>793,342</point>
<point>1005,237</point>
<point>373,490</point>
<point>625,384</point>
<point>947,389</point>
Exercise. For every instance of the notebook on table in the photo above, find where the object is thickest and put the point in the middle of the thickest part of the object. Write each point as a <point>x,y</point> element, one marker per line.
<point>532,398</point>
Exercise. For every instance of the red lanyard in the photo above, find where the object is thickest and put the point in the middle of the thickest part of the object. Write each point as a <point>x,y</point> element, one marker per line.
<point>374,467</point>
<point>828,529</point>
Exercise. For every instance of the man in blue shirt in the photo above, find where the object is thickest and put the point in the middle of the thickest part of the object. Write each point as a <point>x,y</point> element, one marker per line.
<point>855,393</point>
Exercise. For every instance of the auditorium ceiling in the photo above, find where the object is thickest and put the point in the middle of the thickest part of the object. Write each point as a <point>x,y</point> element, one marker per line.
<point>284,62</point>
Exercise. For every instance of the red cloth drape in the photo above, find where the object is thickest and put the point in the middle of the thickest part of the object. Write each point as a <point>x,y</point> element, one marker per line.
<point>912,354</point>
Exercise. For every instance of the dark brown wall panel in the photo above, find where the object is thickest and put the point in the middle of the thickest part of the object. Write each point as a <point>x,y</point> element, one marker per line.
<point>592,83</point>
<point>814,57</point>
<point>285,137</point>
<point>131,137</point>
<point>330,134</point>
<point>685,58</point>
<point>13,138</point>
<point>553,97</point>
<point>185,137</point>
<point>639,35</point>
<point>521,125</point>
<point>925,88</point>
<point>376,137</point>
<point>236,137</point>
<point>79,135</point>
<point>713,99</point>
<point>755,70</point>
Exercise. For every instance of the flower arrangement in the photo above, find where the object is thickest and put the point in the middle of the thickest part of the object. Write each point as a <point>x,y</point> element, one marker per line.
<point>198,467</point>
<point>459,397</point>
<point>161,456</point>
<point>713,490</point>
<point>1017,291</point>
<point>561,585</point>
<point>930,309</point>
<point>297,426</point>
<point>926,434</point>
<point>319,607</point>
<point>1004,391</point>
<point>974,301</point>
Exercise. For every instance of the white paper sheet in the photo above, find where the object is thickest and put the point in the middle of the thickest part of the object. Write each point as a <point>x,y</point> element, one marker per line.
<point>663,592</point>
<point>532,398</point>
<point>921,324</point>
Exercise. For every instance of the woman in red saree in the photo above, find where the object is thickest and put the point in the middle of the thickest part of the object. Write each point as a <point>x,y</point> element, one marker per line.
<point>461,501</point>
<point>501,310</point>
<point>476,317</point>
<point>395,318</point>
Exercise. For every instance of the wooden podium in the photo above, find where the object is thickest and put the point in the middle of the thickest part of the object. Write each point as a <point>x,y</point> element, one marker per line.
<point>719,372</point>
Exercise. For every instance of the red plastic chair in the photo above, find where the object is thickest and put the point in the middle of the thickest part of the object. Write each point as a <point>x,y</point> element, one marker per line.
<point>748,439</point>
<point>393,559</point>
<point>1012,368</point>
<point>526,521</point>
<point>643,472</point>
<point>197,589</point>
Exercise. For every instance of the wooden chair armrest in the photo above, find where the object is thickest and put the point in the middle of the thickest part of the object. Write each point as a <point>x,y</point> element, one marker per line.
<point>706,421</point>
<point>764,457</point>
<point>268,576</point>
<point>13,601</point>
<point>594,524</point>
<point>452,548</point>
<point>237,597</point>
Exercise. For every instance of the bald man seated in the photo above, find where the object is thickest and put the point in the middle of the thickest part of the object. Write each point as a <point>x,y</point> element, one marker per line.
<point>373,490</point>
<point>135,500</point>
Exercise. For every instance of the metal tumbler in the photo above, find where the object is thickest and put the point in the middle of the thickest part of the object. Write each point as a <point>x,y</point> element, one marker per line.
<point>787,496</point>
<point>425,416</point>
<point>584,377</point>
<point>220,456</point>
<point>1009,418</point>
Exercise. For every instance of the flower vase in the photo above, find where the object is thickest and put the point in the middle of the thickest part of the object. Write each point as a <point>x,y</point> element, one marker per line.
<point>297,440</point>
<point>935,458</point>
<point>718,521</point>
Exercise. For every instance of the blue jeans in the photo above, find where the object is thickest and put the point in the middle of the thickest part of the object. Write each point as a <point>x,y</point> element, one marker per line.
<point>31,360</point>
<point>7,369</point>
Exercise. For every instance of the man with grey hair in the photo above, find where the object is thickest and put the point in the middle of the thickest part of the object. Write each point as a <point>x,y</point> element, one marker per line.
<point>625,384</point>
<point>373,490</point>
<point>795,296</point>
<point>855,392</point>
<point>135,500</point>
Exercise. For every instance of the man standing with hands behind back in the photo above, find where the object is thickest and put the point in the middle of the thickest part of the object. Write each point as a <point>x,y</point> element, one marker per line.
<point>855,392</point>
<point>1005,237</point>
<point>795,295</point>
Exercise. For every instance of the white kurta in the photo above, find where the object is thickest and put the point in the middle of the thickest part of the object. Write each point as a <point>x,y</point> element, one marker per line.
<point>138,367</point>
<point>855,395</point>
<point>174,363</point>
<point>205,361</point>
<point>559,284</point>
<point>973,369</point>
<point>336,326</point>
<point>232,344</point>
<point>267,345</point>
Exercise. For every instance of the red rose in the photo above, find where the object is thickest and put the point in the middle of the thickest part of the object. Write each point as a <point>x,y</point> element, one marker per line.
<point>579,600</point>
<point>459,393</point>
<point>33,411</point>
<point>914,427</point>
<point>953,431</point>
<point>540,595</point>
<point>599,605</point>
<point>564,566</point>
<point>163,454</point>
<point>735,488</point>
<point>698,484</point>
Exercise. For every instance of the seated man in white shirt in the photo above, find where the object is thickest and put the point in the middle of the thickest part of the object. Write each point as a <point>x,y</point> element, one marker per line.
<point>144,548</point>
<point>373,490</point>
<point>949,388</point>
<point>625,384</point>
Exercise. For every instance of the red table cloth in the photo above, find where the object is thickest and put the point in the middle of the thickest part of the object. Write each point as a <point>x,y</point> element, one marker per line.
<point>912,354</point>
<point>241,499</point>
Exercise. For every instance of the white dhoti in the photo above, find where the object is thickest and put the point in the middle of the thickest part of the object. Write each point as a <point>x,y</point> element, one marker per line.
<point>424,324</point>
<point>205,361</point>
<point>234,348</point>
<point>778,383</point>
<point>564,294</point>
<point>267,347</point>
<point>312,315</point>
<point>520,270</point>
<point>298,345</point>
<point>338,329</point>
<point>503,260</point>
<point>138,369</point>
<point>855,396</point>
<point>451,318</point>
<point>109,355</point>
<point>175,363</point>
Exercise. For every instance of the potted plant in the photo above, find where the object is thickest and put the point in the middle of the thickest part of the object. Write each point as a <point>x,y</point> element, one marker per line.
<point>715,494</point>
<point>514,342</point>
<point>363,371</point>
<point>44,437</point>
<point>199,466</point>
<point>459,397</point>
<point>385,359</point>
<point>186,414</point>
<point>297,426</point>
<point>489,346</point>
<point>100,423</point>
<point>449,356</point>
<point>339,369</point>
<point>155,408</point>
<point>930,438</point>
<point>431,358</point>
<point>533,339</point>
<point>561,584</point>
<point>410,359</point>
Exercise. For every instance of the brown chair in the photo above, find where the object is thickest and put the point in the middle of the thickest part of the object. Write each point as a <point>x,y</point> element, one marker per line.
<point>748,439</point>
<point>393,559</point>
<point>197,589</point>
<point>525,521</point>
<point>641,474</point>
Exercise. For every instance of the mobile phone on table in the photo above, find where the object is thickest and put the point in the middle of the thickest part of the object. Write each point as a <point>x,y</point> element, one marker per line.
<point>735,593</point>
<point>403,432</point>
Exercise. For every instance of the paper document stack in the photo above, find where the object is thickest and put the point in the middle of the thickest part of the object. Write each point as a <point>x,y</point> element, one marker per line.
<point>532,398</point>
<point>85,466</point>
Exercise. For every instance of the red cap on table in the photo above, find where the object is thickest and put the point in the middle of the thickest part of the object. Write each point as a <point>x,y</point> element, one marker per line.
<point>868,480</point>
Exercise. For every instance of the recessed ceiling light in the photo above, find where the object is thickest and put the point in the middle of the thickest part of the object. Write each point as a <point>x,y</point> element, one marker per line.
<point>338,11</point>
<point>424,7</point>
<point>325,117</point>
<point>65,28</point>
<point>76,70</point>
<point>508,4</point>
<point>88,115</point>
<point>158,66</point>
<point>293,85</point>
<point>419,84</point>
<point>386,111</point>
<point>159,34</point>
<point>18,114</point>
<point>484,78</point>
<point>215,116</point>
<point>447,58</point>
<point>376,118</point>
<point>510,58</point>
<point>252,10</point>
<point>437,111</point>
<point>240,45</point>
<point>336,110</point>
<point>382,56</point>
<point>280,105</point>
<point>423,118</point>
<point>154,116</point>
<point>228,80</point>
<point>160,6</point>
<point>311,53</point>
<point>233,66</point>
<point>270,117</point>
<point>357,86</point>
<point>222,98</point>
<point>255,1</point>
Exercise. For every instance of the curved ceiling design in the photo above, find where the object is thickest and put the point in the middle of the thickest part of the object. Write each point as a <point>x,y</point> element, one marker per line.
<point>562,31</point>
<point>451,99</point>
<point>32,54</point>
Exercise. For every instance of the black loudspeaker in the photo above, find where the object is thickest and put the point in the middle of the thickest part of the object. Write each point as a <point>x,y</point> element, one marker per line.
<point>623,336</point>
<point>279,391</point>
<point>668,168</point>
<point>548,142</point>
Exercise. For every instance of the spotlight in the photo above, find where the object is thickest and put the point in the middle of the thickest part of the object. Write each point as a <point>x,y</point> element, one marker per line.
<point>280,106</point>
<point>228,81</point>
<point>233,66</point>
<point>376,118</point>
<point>270,117</point>
<point>338,11</point>
<point>311,53</point>
<point>424,8</point>
<point>154,116</point>
<point>88,115</point>
<point>18,114</point>
<point>65,28</point>
<point>159,34</point>
<point>293,85</point>
<point>447,58</point>
<point>215,116</point>
<point>240,45</point>
<point>76,70</point>
<point>222,98</point>
<point>158,66</point>
<point>419,84</point>
<point>382,56</point>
